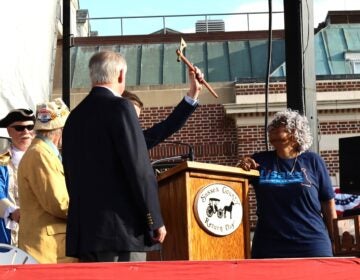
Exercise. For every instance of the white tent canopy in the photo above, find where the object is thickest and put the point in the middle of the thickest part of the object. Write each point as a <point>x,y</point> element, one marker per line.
<point>28,35</point>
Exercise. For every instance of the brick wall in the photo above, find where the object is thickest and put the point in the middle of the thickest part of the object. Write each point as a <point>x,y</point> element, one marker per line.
<point>280,87</point>
<point>211,133</point>
<point>339,127</point>
<point>250,139</point>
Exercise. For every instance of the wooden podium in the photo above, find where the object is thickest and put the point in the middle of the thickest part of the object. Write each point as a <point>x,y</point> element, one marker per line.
<point>206,212</point>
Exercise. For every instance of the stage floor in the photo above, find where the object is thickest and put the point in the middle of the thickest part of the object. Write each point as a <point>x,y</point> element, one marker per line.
<point>277,269</point>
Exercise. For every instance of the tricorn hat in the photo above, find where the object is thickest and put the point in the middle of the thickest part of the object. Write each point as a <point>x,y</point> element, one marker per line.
<point>17,115</point>
<point>51,115</point>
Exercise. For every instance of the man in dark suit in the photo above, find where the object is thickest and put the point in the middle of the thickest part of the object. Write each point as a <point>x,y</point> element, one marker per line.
<point>114,212</point>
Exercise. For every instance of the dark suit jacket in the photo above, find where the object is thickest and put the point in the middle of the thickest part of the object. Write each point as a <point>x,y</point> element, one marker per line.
<point>162,130</point>
<point>113,191</point>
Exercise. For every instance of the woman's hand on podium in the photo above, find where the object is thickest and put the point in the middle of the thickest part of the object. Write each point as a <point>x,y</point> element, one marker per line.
<point>247,163</point>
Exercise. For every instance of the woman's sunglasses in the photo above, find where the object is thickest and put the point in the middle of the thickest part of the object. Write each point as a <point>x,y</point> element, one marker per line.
<point>23,127</point>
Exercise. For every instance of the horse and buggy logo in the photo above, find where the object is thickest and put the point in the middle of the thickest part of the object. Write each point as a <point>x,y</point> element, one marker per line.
<point>214,209</point>
<point>218,209</point>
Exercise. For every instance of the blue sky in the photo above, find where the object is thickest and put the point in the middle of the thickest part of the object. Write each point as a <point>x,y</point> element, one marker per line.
<point>126,8</point>
<point>99,8</point>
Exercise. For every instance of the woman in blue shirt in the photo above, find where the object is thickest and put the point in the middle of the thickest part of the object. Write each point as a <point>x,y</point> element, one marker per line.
<point>295,198</point>
<point>5,234</point>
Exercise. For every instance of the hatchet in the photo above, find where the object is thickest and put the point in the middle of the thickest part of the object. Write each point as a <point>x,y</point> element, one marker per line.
<point>181,56</point>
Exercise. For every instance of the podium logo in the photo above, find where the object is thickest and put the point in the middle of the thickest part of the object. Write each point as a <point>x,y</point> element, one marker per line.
<point>218,209</point>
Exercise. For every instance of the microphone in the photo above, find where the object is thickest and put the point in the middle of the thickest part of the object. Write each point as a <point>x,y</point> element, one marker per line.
<point>191,153</point>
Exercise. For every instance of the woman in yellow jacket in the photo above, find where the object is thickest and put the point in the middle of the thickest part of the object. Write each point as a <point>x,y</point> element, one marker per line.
<point>42,190</point>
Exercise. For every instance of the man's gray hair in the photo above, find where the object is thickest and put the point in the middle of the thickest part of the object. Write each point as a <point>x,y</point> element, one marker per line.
<point>296,124</point>
<point>105,67</point>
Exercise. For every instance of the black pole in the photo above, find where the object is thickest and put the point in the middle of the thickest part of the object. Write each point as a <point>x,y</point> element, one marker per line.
<point>66,53</point>
<point>268,71</point>
<point>294,61</point>
<point>300,62</point>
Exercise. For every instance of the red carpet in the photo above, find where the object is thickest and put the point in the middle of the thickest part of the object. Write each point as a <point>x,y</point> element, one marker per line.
<point>289,269</point>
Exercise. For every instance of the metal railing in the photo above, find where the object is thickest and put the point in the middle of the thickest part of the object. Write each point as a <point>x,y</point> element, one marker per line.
<point>140,25</point>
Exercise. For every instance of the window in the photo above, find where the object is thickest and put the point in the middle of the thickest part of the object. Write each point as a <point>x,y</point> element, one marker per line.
<point>353,58</point>
<point>356,67</point>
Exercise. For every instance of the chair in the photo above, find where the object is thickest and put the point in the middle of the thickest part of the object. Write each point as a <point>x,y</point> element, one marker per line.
<point>12,255</point>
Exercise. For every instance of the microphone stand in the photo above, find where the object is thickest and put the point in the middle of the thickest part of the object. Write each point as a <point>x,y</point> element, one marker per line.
<point>168,162</point>
<point>190,156</point>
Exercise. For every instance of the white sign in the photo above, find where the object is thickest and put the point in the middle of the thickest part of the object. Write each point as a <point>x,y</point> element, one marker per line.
<point>218,209</point>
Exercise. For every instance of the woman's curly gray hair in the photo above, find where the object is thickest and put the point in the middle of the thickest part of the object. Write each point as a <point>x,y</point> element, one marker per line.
<point>296,124</point>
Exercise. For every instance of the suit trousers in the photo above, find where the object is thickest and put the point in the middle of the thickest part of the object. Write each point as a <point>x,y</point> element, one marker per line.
<point>114,257</point>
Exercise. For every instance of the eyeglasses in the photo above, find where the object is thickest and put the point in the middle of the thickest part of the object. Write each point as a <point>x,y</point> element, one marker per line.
<point>23,127</point>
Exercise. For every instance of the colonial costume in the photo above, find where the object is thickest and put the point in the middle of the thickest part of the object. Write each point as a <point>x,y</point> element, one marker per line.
<point>9,197</point>
<point>43,195</point>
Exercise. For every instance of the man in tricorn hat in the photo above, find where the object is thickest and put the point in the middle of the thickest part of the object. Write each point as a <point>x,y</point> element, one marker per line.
<point>19,124</point>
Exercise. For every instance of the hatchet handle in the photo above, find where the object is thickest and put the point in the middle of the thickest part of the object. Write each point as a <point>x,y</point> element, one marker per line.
<point>191,67</point>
